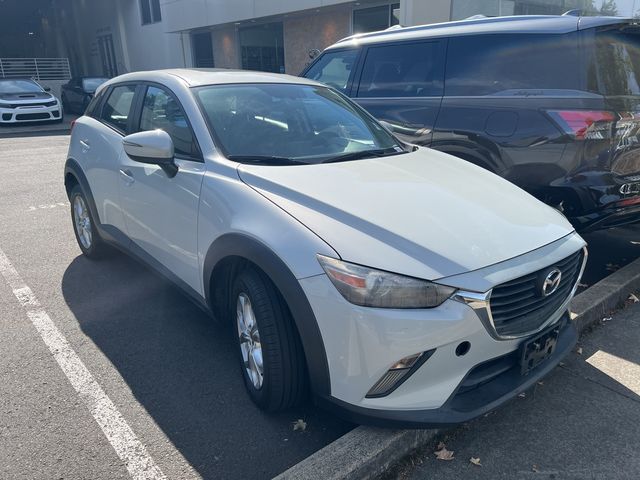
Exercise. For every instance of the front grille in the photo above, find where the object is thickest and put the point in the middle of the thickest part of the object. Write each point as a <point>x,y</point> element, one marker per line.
<point>30,105</point>
<point>519,307</point>
<point>32,116</point>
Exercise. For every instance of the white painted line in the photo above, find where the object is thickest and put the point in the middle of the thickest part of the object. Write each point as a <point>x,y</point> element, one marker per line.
<point>119,434</point>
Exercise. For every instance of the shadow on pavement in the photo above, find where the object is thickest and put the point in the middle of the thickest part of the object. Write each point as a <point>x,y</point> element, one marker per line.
<point>182,367</point>
<point>37,129</point>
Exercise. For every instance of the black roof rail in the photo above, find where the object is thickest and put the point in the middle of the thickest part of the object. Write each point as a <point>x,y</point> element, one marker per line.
<point>573,13</point>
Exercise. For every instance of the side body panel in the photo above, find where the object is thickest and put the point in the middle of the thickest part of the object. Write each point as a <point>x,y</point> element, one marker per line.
<point>97,149</point>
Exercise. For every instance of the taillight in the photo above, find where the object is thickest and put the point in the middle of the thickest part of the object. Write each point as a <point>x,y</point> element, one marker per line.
<point>585,124</point>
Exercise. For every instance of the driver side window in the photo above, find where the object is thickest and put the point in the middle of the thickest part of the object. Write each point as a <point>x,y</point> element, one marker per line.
<point>334,69</point>
<point>161,110</point>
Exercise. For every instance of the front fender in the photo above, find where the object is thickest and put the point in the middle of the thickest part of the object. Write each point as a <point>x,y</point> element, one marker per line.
<point>239,245</point>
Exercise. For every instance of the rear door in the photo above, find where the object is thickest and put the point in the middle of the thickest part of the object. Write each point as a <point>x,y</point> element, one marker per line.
<point>161,213</point>
<point>402,84</point>
<point>97,146</point>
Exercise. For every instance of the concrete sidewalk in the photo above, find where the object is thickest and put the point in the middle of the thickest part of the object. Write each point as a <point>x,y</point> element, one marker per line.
<point>580,423</point>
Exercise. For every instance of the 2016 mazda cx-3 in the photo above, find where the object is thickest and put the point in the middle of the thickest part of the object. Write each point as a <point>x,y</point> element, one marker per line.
<point>400,284</point>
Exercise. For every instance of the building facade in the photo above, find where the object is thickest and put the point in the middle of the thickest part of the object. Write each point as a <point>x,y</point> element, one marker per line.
<point>118,36</point>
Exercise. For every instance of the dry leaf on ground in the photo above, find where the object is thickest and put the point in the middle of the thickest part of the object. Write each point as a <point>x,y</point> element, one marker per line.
<point>475,461</point>
<point>522,395</point>
<point>444,454</point>
<point>633,298</point>
<point>299,425</point>
<point>579,350</point>
<point>607,319</point>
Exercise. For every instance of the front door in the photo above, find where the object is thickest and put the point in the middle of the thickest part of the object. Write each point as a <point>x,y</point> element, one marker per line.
<point>161,213</point>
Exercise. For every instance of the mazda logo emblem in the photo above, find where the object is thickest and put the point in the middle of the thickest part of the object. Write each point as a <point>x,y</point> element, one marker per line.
<point>551,282</point>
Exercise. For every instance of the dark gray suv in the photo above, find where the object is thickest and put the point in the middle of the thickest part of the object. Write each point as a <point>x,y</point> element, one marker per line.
<point>549,102</point>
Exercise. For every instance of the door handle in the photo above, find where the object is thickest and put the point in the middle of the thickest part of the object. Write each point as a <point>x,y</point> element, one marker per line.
<point>85,144</point>
<point>127,176</point>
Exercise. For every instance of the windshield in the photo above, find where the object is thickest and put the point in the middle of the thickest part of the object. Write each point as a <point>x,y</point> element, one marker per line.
<point>91,84</point>
<point>287,123</point>
<point>19,86</point>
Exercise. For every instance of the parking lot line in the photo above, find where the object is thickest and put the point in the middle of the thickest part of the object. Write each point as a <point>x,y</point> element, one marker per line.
<point>119,434</point>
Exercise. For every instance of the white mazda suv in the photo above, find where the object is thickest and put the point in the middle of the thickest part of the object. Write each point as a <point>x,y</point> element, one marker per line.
<point>397,284</point>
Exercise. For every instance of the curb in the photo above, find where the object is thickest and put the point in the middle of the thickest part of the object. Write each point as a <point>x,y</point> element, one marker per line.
<point>367,452</point>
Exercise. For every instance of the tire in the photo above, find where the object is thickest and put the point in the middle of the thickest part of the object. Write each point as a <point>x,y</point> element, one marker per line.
<point>65,104</point>
<point>283,381</point>
<point>87,236</point>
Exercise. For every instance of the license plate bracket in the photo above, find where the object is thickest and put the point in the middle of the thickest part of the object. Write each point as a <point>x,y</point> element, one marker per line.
<point>538,349</point>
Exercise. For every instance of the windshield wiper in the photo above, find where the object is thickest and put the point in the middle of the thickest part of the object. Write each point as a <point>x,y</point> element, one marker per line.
<point>360,154</point>
<point>265,159</point>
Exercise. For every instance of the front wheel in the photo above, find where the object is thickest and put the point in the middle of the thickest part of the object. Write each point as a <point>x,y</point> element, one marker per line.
<point>84,226</point>
<point>270,352</point>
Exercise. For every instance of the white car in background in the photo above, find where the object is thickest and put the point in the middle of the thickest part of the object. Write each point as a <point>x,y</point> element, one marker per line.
<point>23,100</point>
<point>402,285</point>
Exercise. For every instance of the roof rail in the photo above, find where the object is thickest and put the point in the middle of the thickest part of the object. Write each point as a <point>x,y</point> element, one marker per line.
<point>573,13</point>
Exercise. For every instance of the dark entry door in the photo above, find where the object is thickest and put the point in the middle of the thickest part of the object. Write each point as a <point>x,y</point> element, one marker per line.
<point>202,50</point>
<point>107,56</point>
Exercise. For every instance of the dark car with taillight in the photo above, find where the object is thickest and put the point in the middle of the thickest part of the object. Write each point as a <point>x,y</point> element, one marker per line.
<point>551,103</point>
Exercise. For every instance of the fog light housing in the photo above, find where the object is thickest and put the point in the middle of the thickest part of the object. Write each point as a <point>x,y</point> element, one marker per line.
<point>398,374</point>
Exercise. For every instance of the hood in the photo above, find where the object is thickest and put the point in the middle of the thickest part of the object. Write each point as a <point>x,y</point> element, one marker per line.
<point>25,96</point>
<point>424,214</point>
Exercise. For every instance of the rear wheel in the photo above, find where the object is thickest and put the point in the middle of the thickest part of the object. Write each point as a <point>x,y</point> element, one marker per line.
<point>270,352</point>
<point>84,226</point>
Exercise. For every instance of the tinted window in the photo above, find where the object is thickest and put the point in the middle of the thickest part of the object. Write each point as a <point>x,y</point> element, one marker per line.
<point>161,111</point>
<point>487,64</point>
<point>403,70</point>
<point>304,123</point>
<point>333,68</point>
<point>117,108</point>
<point>614,61</point>
<point>92,108</point>
<point>91,84</point>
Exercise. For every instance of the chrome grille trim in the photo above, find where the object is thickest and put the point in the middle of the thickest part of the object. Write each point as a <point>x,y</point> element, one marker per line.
<point>481,302</point>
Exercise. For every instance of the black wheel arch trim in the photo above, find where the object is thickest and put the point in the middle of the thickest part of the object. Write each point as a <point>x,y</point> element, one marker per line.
<point>72,167</point>
<point>248,248</point>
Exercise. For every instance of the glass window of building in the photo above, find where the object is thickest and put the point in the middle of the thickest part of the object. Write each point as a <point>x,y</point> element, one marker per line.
<point>461,9</point>
<point>262,47</point>
<point>376,18</point>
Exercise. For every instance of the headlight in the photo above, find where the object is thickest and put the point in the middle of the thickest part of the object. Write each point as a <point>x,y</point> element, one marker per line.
<point>375,288</point>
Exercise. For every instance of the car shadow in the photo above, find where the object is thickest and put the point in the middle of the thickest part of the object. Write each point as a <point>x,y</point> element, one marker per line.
<point>182,367</point>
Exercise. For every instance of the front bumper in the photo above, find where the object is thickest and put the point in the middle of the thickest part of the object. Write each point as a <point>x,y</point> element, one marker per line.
<point>28,114</point>
<point>362,343</point>
<point>483,389</point>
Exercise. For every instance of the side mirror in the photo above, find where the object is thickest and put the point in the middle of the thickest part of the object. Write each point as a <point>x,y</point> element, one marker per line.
<point>47,89</point>
<point>152,147</point>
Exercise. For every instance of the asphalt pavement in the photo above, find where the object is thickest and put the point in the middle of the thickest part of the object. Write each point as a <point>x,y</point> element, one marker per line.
<point>580,423</point>
<point>170,370</point>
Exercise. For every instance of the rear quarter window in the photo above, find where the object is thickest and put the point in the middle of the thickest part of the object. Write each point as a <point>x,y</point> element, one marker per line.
<point>613,65</point>
<point>480,65</point>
